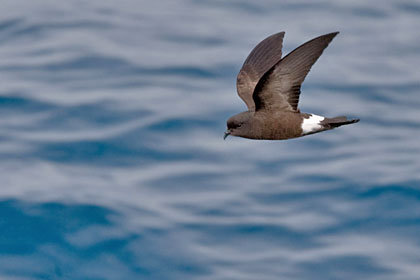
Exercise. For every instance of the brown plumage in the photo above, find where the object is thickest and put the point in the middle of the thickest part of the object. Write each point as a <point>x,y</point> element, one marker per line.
<point>270,87</point>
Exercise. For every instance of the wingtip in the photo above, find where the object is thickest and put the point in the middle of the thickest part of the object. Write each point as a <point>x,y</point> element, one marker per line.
<point>278,34</point>
<point>333,34</point>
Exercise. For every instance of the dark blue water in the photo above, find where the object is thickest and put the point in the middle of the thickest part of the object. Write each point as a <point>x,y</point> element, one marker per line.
<point>113,165</point>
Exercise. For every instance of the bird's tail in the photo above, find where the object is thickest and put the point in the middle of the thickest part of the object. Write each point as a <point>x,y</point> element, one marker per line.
<point>331,123</point>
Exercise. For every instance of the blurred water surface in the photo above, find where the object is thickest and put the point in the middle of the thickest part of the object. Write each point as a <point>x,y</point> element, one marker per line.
<point>113,164</point>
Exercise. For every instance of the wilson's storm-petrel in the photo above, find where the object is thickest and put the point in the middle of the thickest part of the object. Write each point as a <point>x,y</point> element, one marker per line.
<point>270,87</point>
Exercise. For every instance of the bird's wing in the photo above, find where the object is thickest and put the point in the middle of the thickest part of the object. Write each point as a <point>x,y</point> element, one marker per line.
<point>261,59</point>
<point>279,88</point>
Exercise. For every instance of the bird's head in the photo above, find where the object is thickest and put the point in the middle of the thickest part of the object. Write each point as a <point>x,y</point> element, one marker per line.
<point>238,125</point>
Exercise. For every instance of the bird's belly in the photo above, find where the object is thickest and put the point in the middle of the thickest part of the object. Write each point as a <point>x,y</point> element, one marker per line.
<point>281,133</point>
<point>281,128</point>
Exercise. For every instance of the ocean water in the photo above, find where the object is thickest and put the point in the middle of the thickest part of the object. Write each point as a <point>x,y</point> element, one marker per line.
<point>112,159</point>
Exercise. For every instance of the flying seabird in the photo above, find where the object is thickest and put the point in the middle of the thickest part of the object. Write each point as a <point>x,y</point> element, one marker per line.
<point>270,87</point>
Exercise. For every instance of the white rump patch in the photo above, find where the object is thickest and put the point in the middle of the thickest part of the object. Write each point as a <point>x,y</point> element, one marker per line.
<point>312,124</point>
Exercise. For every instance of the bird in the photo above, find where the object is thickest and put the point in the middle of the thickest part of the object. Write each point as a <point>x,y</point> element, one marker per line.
<point>270,86</point>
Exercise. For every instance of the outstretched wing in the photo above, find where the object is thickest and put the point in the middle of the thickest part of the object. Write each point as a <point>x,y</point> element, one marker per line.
<point>279,89</point>
<point>261,59</point>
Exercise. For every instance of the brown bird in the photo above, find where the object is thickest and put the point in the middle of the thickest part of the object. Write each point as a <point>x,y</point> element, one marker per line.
<point>270,87</point>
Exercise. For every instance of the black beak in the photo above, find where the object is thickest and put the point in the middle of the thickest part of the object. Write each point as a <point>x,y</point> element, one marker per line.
<point>227,133</point>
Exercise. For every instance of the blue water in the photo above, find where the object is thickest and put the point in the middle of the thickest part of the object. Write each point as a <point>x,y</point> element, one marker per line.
<point>113,165</point>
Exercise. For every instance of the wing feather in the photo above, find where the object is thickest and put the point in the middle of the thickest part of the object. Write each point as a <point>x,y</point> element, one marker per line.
<point>261,59</point>
<point>279,89</point>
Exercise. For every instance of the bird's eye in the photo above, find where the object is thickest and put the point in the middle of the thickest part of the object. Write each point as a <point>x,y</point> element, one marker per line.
<point>237,125</point>
<point>234,125</point>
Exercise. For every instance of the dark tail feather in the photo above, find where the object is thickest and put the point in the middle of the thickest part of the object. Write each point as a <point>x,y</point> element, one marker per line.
<point>337,121</point>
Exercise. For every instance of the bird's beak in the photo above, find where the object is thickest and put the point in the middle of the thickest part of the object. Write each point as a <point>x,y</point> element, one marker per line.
<point>227,133</point>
